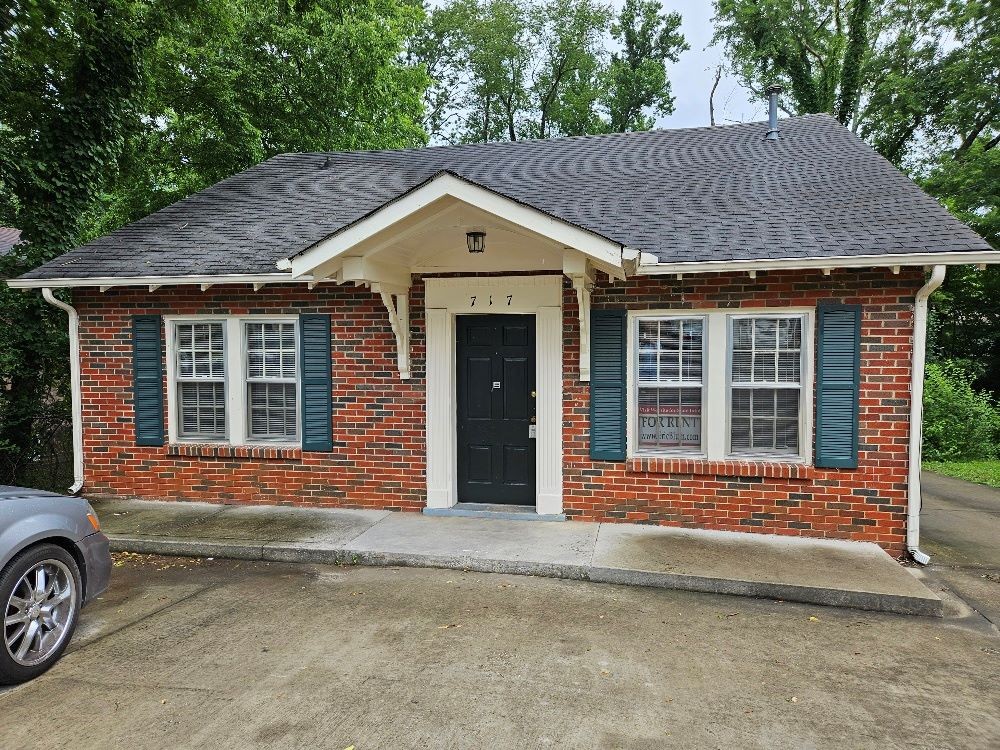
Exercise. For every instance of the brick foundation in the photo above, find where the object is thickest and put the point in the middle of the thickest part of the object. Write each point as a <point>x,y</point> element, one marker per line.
<point>379,450</point>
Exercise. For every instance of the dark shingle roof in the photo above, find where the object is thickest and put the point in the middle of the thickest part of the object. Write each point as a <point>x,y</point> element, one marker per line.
<point>699,194</point>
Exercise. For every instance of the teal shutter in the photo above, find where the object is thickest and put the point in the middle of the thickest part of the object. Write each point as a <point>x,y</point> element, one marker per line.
<point>838,386</point>
<point>316,393</point>
<point>607,385</point>
<point>147,379</point>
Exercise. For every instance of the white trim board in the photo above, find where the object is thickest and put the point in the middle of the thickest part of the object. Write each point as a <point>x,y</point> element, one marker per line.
<point>540,296</point>
<point>235,382</point>
<point>115,281</point>
<point>845,261</point>
<point>602,250</point>
<point>715,380</point>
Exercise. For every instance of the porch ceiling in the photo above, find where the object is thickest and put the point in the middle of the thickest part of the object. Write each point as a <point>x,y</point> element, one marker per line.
<point>432,240</point>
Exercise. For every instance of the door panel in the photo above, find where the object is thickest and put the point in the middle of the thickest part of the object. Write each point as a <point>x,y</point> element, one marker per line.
<point>495,362</point>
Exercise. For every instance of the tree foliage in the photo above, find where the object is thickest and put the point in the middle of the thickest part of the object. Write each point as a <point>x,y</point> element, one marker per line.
<point>110,109</point>
<point>71,72</point>
<point>512,69</point>
<point>237,83</point>
<point>960,424</point>
<point>817,50</point>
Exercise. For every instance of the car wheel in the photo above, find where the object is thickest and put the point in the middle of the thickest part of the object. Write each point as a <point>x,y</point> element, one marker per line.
<point>40,595</point>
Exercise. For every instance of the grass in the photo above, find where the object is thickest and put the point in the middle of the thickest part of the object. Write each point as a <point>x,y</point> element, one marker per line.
<point>981,472</point>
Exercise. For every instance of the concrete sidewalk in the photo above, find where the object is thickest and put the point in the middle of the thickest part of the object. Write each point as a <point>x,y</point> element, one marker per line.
<point>845,574</point>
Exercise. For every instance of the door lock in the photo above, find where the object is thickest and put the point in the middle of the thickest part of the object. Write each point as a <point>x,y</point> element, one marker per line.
<point>496,385</point>
<point>532,430</point>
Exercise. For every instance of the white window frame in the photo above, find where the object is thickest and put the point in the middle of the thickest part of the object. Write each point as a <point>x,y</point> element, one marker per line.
<point>237,393</point>
<point>633,401</point>
<point>716,391</point>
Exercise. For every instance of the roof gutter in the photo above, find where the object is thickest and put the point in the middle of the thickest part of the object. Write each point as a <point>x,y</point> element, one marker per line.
<point>74,379</point>
<point>109,282</point>
<point>917,414</point>
<point>972,257</point>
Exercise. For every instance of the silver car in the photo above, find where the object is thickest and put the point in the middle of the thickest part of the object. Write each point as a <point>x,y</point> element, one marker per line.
<point>53,560</point>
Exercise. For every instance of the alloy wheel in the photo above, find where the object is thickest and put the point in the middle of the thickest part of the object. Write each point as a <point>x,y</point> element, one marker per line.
<point>39,612</point>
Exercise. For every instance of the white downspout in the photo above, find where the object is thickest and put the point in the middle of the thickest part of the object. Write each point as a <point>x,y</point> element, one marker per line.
<point>917,414</point>
<point>74,381</point>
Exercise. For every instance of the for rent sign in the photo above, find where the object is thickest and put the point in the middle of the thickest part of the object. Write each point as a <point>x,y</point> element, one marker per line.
<point>669,425</point>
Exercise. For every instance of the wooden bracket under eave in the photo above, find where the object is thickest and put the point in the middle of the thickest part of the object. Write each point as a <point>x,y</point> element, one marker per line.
<point>397,304</point>
<point>582,274</point>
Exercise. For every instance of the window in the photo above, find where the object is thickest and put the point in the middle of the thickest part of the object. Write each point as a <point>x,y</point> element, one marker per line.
<point>720,384</point>
<point>201,380</point>
<point>766,384</point>
<point>271,388</point>
<point>670,384</point>
<point>234,380</point>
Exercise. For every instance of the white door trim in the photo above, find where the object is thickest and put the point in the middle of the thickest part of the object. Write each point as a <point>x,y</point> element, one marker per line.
<point>540,296</point>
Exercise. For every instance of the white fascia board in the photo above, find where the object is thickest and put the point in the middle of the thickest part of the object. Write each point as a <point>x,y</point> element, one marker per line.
<point>113,281</point>
<point>847,261</point>
<point>444,185</point>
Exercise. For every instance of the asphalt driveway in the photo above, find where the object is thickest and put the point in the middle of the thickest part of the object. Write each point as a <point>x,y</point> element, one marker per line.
<point>205,653</point>
<point>960,530</point>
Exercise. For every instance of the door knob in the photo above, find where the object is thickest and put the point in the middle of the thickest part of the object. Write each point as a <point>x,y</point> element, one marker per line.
<point>532,420</point>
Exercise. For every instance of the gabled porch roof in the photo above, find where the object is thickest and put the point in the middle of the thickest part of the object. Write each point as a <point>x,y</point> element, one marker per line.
<point>423,231</point>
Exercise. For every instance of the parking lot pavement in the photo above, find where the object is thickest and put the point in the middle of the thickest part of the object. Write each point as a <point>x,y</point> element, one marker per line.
<point>185,653</point>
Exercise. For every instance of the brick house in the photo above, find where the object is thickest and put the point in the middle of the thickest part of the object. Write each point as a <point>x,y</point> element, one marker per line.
<point>706,328</point>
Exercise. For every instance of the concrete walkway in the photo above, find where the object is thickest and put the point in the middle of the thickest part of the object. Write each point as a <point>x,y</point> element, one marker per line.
<point>846,574</point>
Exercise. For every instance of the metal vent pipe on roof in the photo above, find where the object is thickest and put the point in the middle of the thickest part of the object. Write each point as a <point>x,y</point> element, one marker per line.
<point>772,112</point>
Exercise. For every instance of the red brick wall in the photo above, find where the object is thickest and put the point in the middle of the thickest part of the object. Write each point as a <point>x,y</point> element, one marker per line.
<point>379,455</point>
<point>864,504</point>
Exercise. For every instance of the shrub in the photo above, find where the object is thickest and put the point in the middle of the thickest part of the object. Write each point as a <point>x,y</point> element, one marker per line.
<point>960,423</point>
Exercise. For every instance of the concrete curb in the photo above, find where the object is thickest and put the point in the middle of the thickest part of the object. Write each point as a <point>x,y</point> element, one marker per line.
<point>288,552</point>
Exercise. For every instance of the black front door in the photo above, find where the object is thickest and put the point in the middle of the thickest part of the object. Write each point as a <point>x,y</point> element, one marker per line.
<point>496,408</point>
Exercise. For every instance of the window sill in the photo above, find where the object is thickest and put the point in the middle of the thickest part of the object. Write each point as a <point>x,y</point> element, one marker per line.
<point>728,468</point>
<point>223,450</point>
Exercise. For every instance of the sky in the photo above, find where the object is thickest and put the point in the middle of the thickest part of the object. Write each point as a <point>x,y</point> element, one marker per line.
<point>691,77</point>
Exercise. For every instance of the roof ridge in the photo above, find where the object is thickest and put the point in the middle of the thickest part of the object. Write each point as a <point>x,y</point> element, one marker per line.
<point>561,139</point>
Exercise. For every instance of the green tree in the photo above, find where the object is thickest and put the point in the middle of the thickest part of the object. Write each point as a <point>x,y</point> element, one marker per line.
<point>818,50</point>
<point>70,75</point>
<point>510,69</point>
<point>243,81</point>
<point>638,88</point>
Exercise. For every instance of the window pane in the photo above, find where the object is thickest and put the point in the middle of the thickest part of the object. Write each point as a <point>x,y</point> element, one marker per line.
<point>202,409</point>
<point>788,367</point>
<point>271,351</point>
<point>766,350</point>
<point>669,418</point>
<point>765,333</point>
<point>271,356</point>
<point>200,350</point>
<point>272,410</point>
<point>764,420</point>
<point>670,351</point>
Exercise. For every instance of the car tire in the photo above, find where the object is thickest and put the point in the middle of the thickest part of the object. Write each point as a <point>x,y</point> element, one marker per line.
<point>42,609</point>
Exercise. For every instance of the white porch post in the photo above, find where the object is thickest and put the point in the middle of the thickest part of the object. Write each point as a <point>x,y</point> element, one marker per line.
<point>441,476</point>
<point>548,409</point>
